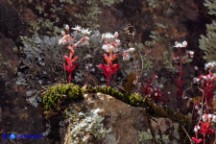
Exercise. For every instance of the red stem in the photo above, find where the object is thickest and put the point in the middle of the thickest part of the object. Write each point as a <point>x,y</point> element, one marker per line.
<point>204,140</point>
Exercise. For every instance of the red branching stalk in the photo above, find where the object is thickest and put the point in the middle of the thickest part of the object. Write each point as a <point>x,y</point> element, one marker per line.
<point>109,69</point>
<point>179,58</point>
<point>69,40</point>
<point>207,83</point>
<point>69,66</point>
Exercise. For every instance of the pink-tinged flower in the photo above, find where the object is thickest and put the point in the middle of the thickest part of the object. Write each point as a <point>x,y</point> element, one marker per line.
<point>210,116</point>
<point>148,90</point>
<point>190,53</point>
<point>205,117</point>
<point>196,128</point>
<point>111,42</point>
<point>125,56</point>
<point>210,65</point>
<point>196,140</point>
<point>196,80</point>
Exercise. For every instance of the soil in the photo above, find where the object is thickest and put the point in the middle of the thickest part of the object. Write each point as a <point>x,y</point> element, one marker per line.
<point>18,116</point>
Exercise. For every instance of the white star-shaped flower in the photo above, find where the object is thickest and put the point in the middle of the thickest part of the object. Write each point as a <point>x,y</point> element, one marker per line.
<point>85,31</point>
<point>180,45</point>
<point>77,28</point>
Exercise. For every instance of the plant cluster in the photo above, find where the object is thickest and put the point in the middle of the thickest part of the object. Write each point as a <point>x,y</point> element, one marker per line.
<point>146,137</point>
<point>42,58</point>
<point>180,57</point>
<point>154,90</point>
<point>207,83</point>
<point>73,40</point>
<point>80,38</point>
<point>111,45</point>
<point>204,128</point>
<point>207,43</point>
<point>86,127</point>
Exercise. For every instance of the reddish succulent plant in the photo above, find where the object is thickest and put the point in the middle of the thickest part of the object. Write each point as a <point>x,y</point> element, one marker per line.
<point>69,40</point>
<point>204,127</point>
<point>109,70</point>
<point>69,66</point>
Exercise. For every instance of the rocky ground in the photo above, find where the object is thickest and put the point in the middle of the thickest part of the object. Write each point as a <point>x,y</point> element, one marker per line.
<point>126,123</point>
<point>17,115</point>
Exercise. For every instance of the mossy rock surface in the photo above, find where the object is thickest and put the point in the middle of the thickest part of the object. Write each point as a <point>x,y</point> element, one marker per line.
<point>60,93</point>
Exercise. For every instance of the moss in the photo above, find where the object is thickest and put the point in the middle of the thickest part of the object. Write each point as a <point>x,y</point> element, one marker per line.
<point>71,92</point>
<point>59,93</point>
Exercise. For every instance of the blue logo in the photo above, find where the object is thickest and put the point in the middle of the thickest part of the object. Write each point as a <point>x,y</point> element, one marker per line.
<point>12,136</point>
<point>5,136</point>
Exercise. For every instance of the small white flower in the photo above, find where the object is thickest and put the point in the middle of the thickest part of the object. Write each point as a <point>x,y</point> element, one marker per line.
<point>204,77</point>
<point>214,118</point>
<point>107,36</point>
<point>196,128</point>
<point>210,65</point>
<point>210,116</point>
<point>190,53</point>
<point>85,31</point>
<point>62,33</point>
<point>62,41</point>
<point>76,28</point>
<point>205,117</point>
<point>196,107</point>
<point>199,112</point>
<point>116,35</point>
<point>196,80</point>
<point>85,41</point>
<point>126,57</point>
<point>196,67</point>
<point>108,48</point>
<point>118,42</point>
<point>130,50</point>
<point>181,45</point>
<point>67,27</point>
